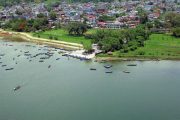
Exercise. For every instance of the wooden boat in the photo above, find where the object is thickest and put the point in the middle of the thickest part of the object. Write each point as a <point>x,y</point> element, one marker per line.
<point>26,52</point>
<point>108,66</point>
<point>49,66</point>
<point>9,69</point>
<point>41,61</point>
<point>58,58</point>
<point>4,65</point>
<point>92,68</point>
<point>132,65</point>
<point>126,71</point>
<point>109,72</point>
<point>17,88</point>
<point>2,54</point>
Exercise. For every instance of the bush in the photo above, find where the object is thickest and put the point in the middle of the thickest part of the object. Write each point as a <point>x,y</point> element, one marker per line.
<point>56,38</point>
<point>125,50</point>
<point>141,53</point>
<point>88,36</point>
<point>39,36</point>
<point>133,48</point>
<point>176,32</point>
<point>50,37</point>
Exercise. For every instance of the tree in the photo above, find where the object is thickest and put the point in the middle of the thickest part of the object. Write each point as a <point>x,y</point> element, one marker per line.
<point>53,15</point>
<point>143,15</point>
<point>40,15</point>
<point>77,28</point>
<point>172,19</point>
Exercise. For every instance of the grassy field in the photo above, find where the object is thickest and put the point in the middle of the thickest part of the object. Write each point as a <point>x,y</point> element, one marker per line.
<point>63,35</point>
<point>158,46</point>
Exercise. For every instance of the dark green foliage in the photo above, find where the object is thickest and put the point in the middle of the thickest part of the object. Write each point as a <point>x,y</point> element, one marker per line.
<point>77,29</point>
<point>176,32</point>
<point>50,37</point>
<point>106,18</point>
<point>172,19</point>
<point>56,38</point>
<point>22,25</point>
<point>124,40</point>
<point>141,53</point>
<point>53,15</point>
<point>143,15</point>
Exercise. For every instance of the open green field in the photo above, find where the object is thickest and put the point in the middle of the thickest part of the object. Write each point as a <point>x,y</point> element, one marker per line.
<point>158,46</point>
<point>63,35</point>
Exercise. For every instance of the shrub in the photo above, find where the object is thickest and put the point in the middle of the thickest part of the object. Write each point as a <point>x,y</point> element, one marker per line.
<point>141,53</point>
<point>176,32</point>
<point>88,36</point>
<point>133,48</point>
<point>50,37</point>
<point>56,38</point>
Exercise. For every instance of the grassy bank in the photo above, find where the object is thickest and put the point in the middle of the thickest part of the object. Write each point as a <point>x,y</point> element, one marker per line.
<point>158,46</point>
<point>62,35</point>
<point>21,36</point>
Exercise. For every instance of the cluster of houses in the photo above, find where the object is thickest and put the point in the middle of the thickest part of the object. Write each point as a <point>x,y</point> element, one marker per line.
<point>125,13</point>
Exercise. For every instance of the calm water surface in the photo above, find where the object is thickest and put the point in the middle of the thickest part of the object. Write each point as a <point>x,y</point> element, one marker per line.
<point>68,90</point>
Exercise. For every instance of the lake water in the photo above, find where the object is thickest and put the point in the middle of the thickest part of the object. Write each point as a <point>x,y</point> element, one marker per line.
<point>68,90</point>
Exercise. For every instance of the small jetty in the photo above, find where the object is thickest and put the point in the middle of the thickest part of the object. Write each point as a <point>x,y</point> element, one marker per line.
<point>79,54</point>
<point>17,88</point>
<point>132,65</point>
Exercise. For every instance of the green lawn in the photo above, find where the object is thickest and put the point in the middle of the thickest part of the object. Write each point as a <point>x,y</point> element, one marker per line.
<point>63,35</point>
<point>158,46</point>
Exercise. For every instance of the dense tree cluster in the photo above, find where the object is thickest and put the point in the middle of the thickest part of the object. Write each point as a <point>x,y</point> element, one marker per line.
<point>124,40</point>
<point>172,19</point>
<point>23,25</point>
<point>76,28</point>
<point>143,15</point>
<point>105,18</point>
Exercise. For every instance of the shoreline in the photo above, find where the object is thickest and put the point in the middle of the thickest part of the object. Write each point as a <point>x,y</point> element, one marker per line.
<point>29,38</point>
<point>72,47</point>
<point>110,59</point>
